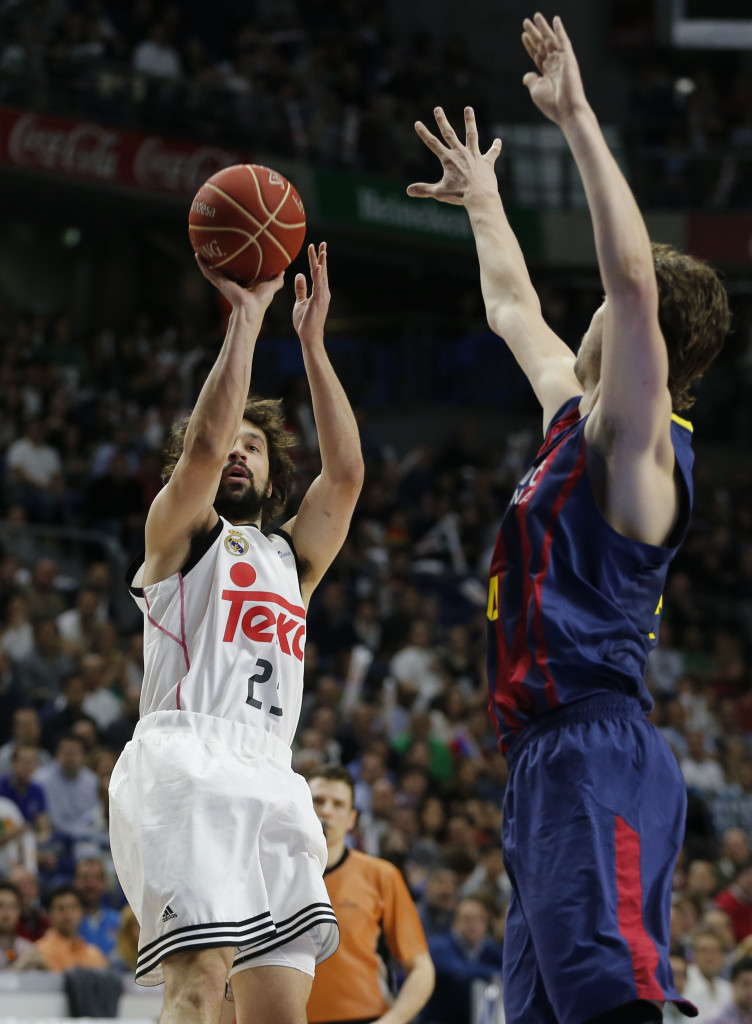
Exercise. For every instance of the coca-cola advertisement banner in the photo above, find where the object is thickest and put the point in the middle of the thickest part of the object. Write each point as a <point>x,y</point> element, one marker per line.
<point>110,156</point>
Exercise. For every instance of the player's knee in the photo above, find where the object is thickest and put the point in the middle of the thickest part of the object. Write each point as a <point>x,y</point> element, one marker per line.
<point>197,980</point>
<point>641,1011</point>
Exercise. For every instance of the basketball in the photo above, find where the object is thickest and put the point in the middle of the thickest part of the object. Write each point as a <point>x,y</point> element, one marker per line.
<point>247,222</point>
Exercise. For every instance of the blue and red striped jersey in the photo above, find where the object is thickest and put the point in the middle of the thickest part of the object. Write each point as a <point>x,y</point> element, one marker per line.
<point>573,606</point>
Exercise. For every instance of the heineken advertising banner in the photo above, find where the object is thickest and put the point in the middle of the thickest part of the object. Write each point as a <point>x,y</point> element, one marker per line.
<point>352,200</point>
<point>363,203</point>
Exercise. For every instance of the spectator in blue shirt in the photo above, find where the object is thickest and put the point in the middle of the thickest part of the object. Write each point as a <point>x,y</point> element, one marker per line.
<point>100,924</point>
<point>70,787</point>
<point>17,785</point>
<point>461,956</point>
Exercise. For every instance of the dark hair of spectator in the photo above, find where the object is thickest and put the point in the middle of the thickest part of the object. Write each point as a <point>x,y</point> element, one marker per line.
<point>72,737</point>
<point>334,773</point>
<point>267,414</point>
<point>480,899</point>
<point>693,312</point>
<point>62,890</point>
<point>18,747</point>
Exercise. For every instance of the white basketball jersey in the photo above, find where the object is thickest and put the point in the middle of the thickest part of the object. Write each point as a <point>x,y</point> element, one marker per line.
<point>225,636</point>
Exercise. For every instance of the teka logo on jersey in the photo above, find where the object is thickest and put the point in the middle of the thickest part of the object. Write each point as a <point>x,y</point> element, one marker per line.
<point>263,616</point>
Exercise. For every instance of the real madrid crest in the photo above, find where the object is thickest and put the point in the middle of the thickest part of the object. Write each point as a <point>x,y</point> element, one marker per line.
<point>235,543</point>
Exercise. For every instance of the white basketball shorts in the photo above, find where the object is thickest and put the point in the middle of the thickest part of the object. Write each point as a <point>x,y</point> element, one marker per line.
<point>215,842</point>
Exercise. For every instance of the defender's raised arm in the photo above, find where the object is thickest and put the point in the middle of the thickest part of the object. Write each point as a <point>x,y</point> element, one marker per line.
<point>512,305</point>
<point>634,360</point>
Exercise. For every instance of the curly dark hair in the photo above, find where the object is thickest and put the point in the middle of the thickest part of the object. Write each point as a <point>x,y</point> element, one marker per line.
<point>693,312</point>
<point>268,415</point>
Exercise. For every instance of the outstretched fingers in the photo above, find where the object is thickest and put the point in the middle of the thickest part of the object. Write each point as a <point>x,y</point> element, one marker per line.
<point>471,130</point>
<point>561,34</point>
<point>545,30</point>
<point>539,40</point>
<point>317,266</point>
<point>532,50</point>
<point>422,190</point>
<point>448,133</point>
<point>322,270</point>
<point>430,139</point>
<point>493,153</point>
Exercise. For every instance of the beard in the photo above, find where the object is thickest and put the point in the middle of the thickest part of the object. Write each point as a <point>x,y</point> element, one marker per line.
<point>240,504</point>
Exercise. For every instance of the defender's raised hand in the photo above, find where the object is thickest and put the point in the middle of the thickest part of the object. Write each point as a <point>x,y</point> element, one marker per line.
<point>309,311</point>
<point>467,171</point>
<point>557,90</point>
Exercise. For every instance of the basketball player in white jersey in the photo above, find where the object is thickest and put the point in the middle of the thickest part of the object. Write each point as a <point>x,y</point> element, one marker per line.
<point>214,837</point>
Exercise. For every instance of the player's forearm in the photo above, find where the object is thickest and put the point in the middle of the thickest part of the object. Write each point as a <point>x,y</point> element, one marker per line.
<point>339,439</point>
<point>219,408</point>
<point>621,237</point>
<point>413,995</point>
<point>504,278</point>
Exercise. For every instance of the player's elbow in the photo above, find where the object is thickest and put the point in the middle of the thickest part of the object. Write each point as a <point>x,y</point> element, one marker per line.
<point>346,479</point>
<point>349,473</point>
<point>512,318</point>
<point>500,319</point>
<point>635,283</point>
<point>205,445</point>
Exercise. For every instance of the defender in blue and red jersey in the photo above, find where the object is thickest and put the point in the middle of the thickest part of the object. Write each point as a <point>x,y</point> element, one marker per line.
<point>595,804</point>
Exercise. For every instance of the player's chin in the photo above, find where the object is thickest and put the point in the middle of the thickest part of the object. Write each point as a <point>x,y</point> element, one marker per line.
<point>231,494</point>
<point>234,485</point>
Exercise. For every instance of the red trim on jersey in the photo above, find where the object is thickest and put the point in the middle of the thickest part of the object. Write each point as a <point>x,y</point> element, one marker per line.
<point>642,948</point>
<point>541,650</point>
<point>182,623</point>
<point>521,652</point>
<point>564,423</point>
<point>180,643</point>
<point>510,692</point>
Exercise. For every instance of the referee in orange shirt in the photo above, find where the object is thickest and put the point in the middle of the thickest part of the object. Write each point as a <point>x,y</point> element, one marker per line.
<point>372,903</point>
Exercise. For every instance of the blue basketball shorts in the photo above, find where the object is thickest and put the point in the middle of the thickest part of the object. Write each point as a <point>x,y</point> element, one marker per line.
<point>594,817</point>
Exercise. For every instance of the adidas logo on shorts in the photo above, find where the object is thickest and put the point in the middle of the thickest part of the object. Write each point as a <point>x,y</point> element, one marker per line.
<point>169,913</point>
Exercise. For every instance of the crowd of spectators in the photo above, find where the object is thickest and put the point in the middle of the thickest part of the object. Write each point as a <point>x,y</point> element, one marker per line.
<point>693,131</point>
<point>341,83</point>
<point>395,677</point>
<point>331,83</point>
<point>394,672</point>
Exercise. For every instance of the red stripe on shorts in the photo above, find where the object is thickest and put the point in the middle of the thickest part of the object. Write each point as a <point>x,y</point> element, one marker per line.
<point>642,949</point>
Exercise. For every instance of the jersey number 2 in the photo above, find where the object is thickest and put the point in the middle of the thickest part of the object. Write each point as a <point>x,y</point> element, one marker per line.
<point>262,675</point>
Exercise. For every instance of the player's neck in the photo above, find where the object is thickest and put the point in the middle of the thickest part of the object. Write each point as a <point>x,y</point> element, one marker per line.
<point>245,522</point>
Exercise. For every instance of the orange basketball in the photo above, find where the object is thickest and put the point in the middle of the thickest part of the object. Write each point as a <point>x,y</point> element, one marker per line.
<point>247,222</point>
